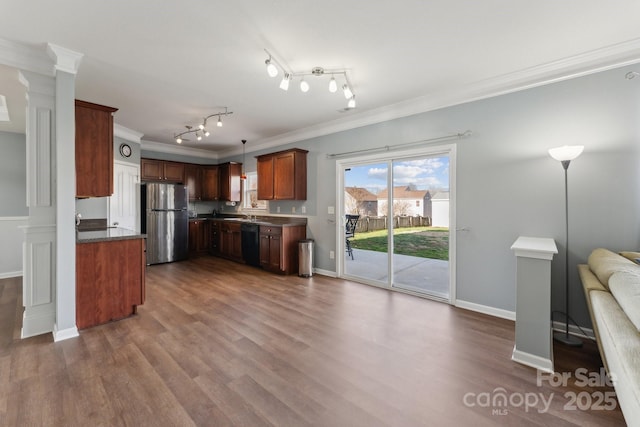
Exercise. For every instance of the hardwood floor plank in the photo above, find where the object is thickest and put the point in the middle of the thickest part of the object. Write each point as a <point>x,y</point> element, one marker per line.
<point>219,343</point>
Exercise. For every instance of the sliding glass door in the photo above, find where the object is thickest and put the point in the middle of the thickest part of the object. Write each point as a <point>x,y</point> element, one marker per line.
<point>403,207</point>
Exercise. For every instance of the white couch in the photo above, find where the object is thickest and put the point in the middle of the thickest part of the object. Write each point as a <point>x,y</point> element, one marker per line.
<point>612,287</point>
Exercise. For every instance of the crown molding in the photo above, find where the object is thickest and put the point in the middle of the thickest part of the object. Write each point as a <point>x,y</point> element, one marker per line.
<point>65,59</point>
<point>159,147</point>
<point>126,133</point>
<point>594,61</point>
<point>25,57</point>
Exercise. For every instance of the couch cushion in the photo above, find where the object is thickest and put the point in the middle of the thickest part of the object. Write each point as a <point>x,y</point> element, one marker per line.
<point>604,263</point>
<point>625,288</point>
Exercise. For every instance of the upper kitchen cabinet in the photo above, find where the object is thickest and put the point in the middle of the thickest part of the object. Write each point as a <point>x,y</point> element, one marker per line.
<point>94,149</point>
<point>193,181</point>
<point>210,183</point>
<point>230,181</point>
<point>283,175</point>
<point>161,170</point>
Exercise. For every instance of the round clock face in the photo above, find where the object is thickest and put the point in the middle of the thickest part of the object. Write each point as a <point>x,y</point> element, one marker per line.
<point>125,150</point>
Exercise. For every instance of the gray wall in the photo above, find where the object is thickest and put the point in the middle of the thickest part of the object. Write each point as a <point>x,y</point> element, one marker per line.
<point>507,185</point>
<point>13,178</point>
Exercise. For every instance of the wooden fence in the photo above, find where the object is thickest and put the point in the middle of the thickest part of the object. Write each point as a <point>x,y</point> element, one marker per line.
<point>373,223</point>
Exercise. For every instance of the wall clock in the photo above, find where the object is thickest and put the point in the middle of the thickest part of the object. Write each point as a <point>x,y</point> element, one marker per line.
<point>125,150</point>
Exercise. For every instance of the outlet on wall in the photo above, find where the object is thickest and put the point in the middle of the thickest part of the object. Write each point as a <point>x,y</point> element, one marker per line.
<point>278,209</point>
<point>293,209</point>
<point>303,209</point>
<point>332,254</point>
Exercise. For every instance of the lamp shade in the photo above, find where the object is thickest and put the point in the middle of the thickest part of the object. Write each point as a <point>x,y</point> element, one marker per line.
<point>566,152</point>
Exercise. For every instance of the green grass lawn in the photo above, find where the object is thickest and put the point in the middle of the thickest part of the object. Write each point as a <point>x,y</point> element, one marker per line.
<point>423,242</point>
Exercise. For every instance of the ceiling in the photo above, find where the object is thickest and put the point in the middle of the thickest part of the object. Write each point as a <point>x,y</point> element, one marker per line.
<point>167,65</point>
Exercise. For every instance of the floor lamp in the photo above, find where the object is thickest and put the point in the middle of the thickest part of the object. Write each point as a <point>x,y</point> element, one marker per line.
<point>564,155</point>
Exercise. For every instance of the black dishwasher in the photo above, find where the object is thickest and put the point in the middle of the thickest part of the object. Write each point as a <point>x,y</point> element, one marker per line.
<point>250,243</point>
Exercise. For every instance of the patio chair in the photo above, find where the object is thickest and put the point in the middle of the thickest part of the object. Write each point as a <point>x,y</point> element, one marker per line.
<point>350,231</point>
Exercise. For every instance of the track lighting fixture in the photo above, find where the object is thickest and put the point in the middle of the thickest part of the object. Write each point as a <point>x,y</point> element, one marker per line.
<point>273,68</point>
<point>201,130</point>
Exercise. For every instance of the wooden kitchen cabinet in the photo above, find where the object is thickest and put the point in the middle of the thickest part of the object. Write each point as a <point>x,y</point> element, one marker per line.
<point>210,183</point>
<point>161,170</point>
<point>279,247</point>
<point>110,280</point>
<point>193,181</point>
<point>231,240</point>
<point>282,175</point>
<point>94,149</point>
<point>230,189</point>
<point>214,238</point>
<point>199,236</point>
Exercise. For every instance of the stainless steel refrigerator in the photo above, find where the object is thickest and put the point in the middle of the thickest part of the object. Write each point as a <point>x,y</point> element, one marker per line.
<point>165,221</point>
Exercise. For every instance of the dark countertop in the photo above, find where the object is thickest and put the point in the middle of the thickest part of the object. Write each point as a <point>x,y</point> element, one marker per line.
<point>272,221</point>
<point>107,235</point>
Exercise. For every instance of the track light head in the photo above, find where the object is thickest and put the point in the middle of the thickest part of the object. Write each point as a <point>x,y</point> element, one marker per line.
<point>333,86</point>
<point>179,140</point>
<point>206,133</point>
<point>347,91</point>
<point>219,124</point>
<point>284,84</point>
<point>304,86</point>
<point>272,70</point>
<point>352,102</point>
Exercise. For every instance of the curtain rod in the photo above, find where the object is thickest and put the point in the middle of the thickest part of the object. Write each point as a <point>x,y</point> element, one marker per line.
<point>406,144</point>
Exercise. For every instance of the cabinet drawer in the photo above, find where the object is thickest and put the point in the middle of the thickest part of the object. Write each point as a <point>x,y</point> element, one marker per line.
<point>268,229</point>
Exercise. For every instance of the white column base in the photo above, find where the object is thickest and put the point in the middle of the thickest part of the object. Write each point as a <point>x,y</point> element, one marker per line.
<point>37,322</point>
<point>540,363</point>
<point>64,334</point>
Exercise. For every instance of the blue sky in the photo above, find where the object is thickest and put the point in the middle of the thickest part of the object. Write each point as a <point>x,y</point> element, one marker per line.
<point>425,174</point>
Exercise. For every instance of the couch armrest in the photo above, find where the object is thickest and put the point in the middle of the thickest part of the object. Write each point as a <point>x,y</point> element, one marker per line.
<point>590,283</point>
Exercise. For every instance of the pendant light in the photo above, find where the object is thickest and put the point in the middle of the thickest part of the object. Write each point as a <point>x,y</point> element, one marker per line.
<point>243,176</point>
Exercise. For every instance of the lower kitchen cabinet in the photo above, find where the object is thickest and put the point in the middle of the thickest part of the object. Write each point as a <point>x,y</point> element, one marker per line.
<point>110,280</point>
<point>231,241</point>
<point>199,236</point>
<point>279,247</point>
<point>214,238</point>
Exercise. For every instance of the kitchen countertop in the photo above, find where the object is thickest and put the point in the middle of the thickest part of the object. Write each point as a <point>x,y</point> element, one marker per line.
<point>269,221</point>
<point>107,234</point>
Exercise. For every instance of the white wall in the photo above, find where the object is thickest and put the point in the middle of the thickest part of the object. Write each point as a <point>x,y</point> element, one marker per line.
<point>11,247</point>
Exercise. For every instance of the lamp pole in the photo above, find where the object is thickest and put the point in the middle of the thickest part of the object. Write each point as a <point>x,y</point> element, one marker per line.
<point>565,155</point>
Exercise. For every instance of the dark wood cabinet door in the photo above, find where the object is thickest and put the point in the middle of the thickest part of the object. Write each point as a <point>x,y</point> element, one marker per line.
<point>214,245</point>
<point>265,252</point>
<point>275,253</point>
<point>109,280</point>
<point>174,172</point>
<point>283,176</point>
<point>194,231</point>
<point>265,177</point>
<point>210,183</point>
<point>192,179</point>
<point>230,189</point>
<point>94,149</point>
<point>151,170</point>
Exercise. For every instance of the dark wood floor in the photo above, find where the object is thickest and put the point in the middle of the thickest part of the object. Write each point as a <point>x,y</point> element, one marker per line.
<point>218,344</point>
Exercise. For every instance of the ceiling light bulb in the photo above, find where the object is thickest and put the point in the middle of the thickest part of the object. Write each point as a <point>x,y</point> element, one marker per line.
<point>219,122</point>
<point>272,70</point>
<point>352,102</point>
<point>284,84</point>
<point>206,133</point>
<point>201,126</point>
<point>199,137</point>
<point>179,140</point>
<point>304,86</point>
<point>333,86</point>
<point>347,92</point>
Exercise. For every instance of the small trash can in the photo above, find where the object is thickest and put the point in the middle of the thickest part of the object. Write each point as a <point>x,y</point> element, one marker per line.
<point>305,258</point>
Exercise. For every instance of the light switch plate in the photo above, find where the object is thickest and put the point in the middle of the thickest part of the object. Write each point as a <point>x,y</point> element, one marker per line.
<point>331,210</point>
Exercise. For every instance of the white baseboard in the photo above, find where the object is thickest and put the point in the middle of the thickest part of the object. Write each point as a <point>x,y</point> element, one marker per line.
<point>65,334</point>
<point>574,330</point>
<point>325,272</point>
<point>10,274</point>
<point>485,309</point>
<point>540,363</point>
